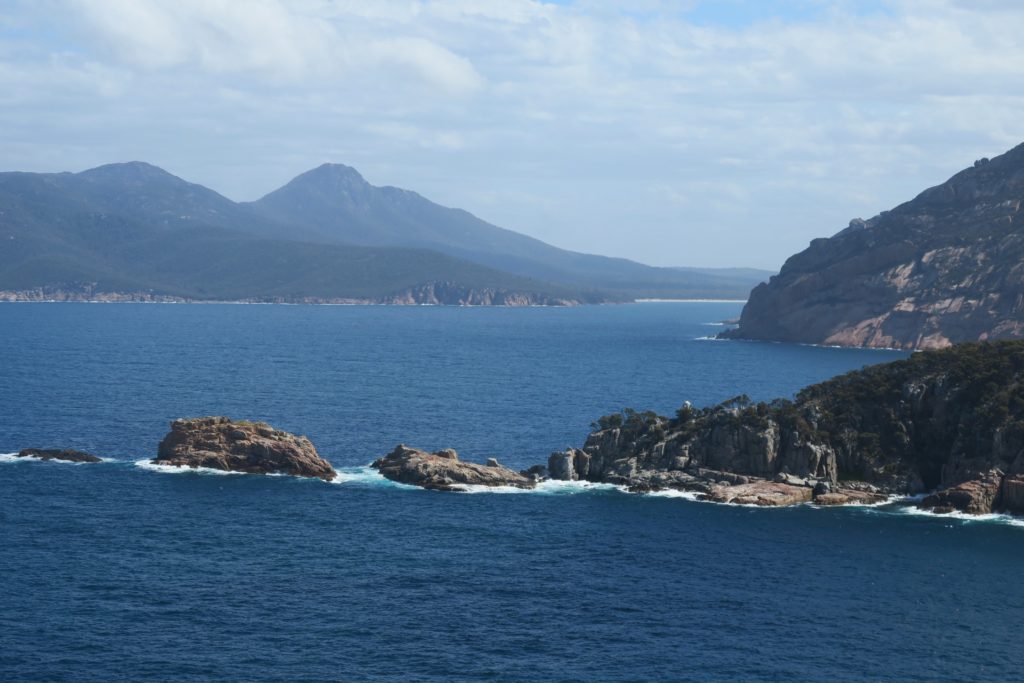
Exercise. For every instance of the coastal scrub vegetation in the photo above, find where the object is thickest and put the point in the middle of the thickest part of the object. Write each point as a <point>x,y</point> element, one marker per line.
<point>969,397</point>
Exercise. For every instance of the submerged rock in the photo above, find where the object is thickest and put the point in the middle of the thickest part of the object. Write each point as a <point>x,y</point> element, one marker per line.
<point>242,446</point>
<point>443,471</point>
<point>69,454</point>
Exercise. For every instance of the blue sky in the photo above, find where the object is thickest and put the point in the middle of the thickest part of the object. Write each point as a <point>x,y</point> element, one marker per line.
<point>674,132</point>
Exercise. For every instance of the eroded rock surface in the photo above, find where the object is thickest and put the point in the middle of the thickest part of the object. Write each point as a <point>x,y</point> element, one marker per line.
<point>762,492</point>
<point>443,471</point>
<point>975,497</point>
<point>240,446</point>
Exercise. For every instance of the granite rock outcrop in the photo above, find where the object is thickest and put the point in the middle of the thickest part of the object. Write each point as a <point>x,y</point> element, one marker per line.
<point>949,421</point>
<point>240,446</point>
<point>444,471</point>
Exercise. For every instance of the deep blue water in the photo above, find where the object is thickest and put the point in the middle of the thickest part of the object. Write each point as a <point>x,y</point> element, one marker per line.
<point>115,571</point>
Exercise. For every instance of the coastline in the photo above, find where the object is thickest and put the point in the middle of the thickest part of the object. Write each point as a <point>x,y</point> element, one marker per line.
<point>19,297</point>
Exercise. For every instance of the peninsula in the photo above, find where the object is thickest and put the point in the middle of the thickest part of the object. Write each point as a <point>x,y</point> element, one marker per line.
<point>949,422</point>
<point>943,268</point>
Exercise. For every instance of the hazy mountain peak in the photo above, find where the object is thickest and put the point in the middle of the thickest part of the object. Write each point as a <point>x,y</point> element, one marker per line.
<point>128,171</point>
<point>326,175</point>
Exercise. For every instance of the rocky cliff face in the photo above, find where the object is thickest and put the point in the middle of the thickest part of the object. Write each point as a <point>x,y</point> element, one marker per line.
<point>240,446</point>
<point>946,267</point>
<point>950,421</point>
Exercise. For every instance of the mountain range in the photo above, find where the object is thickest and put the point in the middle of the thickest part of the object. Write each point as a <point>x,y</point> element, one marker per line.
<point>945,267</point>
<point>132,230</point>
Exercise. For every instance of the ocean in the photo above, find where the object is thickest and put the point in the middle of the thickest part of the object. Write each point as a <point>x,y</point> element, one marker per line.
<point>124,571</point>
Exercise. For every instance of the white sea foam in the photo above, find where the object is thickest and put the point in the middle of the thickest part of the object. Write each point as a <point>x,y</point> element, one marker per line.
<point>885,502</point>
<point>366,476</point>
<point>674,493</point>
<point>549,487</point>
<point>913,511</point>
<point>148,464</point>
<point>13,457</point>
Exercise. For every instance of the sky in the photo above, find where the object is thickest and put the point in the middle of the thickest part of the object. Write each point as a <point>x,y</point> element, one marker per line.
<point>673,132</point>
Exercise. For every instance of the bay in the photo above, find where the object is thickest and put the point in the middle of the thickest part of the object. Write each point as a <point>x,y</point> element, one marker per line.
<point>114,571</point>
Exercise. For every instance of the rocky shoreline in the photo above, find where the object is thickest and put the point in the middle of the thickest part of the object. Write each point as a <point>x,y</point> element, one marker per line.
<point>430,294</point>
<point>949,422</point>
<point>943,429</point>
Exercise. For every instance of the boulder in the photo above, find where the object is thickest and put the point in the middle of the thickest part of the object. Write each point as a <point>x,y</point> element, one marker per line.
<point>975,497</point>
<point>443,471</point>
<point>69,454</point>
<point>240,446</point>
<point>537,473</point>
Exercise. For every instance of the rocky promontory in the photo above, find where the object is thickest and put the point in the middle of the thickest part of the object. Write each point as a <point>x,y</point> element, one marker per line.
<point>67,454</point>
<point>943,268</point>
<point>948,421</point>
<point>240,446</point>
<point>443,471</point>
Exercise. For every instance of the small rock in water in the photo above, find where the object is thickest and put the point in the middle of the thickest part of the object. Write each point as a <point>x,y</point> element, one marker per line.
<point>253,447</point>
<point>443,471</point>
<point>69,454</point>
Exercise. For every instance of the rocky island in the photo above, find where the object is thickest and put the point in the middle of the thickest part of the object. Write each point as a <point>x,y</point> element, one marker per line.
<point>443,471</point>
<point>66,454</point>
<point>943,268</point>
<point>240,446</point>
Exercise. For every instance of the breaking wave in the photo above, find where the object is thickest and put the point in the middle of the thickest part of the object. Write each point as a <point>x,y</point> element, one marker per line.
<point>366,476</point>
<point>148,464</point>
<point>963,517</point>
<point>13,457</point>
<point>549,487</point>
